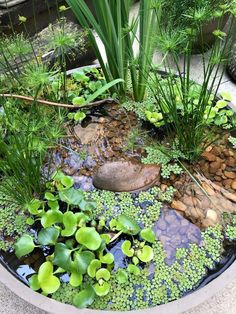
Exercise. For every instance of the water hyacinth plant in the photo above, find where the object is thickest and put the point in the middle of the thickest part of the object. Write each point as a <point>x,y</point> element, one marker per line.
<point>113,27</point>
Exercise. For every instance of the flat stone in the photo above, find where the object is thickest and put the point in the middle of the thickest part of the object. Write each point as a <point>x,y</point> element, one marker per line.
<point>178,205</point>
<point>209,156</point>
<point>126,176</point>
<point>212,215</point>
<point>88,135</point>
<point>230,174</point>
<point>233,185</point>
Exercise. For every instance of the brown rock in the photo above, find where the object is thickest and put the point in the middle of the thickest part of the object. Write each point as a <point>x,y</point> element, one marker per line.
<point>178,205</point>
<point>89,134</point>
<point>208,189</point>
<point>230,174</point>
<point>228,182</point>
<point>189,201</point>
<point>218,179</point>
<point>230,162</point>
<point>209,156</point>
<point>126,176</point>
<point>207,223</point>
<point>214,166</point>
<point>233,185</point>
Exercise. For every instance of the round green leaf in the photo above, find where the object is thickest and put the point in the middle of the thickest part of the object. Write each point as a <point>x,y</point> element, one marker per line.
<point>122,276</point>
<point>102,290</point>
<point>48,282</point>
<point>92,268</point>
<point>88,237</point>
<point>84,298</point>
<point>48,236</point>
<point>82,261</point>
<point>126,248</point>
<point>75,279</point>
<point>34,283</point>
<point>33,206</point>
<point>62,256</point>
<point>50,197</point>
<point>71,196</point>
<point>67,181</point>
<point>51,217</point>
<point>70,223</point>
<point>77,101</point>
<point>24,246</point>
<point>148,235</point>
<point>133,269</point>
<point>146,254</point>
<point>103,273</point>
<point>107,259</point>
<point>127,225</point>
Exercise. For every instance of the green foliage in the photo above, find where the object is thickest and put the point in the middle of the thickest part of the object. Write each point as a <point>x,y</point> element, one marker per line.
<point>12,223</point>
<point>118,40</point>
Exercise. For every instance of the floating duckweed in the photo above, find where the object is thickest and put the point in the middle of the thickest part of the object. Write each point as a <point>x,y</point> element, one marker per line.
<point>230,233</point>
<point>12,224</point>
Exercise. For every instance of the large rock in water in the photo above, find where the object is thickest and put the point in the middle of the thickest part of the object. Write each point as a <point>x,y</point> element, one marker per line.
<point>126,176</point>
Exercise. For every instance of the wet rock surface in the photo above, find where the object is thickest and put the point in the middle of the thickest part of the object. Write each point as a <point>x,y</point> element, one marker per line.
<point>174,231</point>
<point>126,176</point>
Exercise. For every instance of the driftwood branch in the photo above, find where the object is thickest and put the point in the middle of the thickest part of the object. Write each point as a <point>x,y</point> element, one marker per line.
<point>55,104</point>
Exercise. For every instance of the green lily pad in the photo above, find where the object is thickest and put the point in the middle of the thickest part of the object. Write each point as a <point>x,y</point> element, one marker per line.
<point>24,246</point>
<point>226,96</point>
<point>103,273</point>
<point>84,298</point>
<point>127,225</point>
<point>82,260</point>
<point>221,120</point>
<point>133,269</point>
<point>33,206</point>
<point>93,267</point>
<point>146,254</point>
<point>86,206</point>
<point>135,260</point>
<point>71,196</point>
<point>148,235</point>
<point>126,248</point>
<point>221,104</point>
<point>62,256</point>
<point>48,236</point>
<point>70,223</point>
<point>122,276</point>
<point>48,282</point>
<point>107,259</point>
<point>76,279</point>
<point>106,237</point>
<point>34,283</point>
<point>103,289</point>
<point>88,237</point>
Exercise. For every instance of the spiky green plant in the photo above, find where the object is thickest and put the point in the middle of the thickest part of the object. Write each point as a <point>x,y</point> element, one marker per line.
<point>111,23</point>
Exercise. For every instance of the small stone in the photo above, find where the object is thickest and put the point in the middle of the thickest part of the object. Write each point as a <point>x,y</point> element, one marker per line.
<point>214,166</point>
<point>178,205</point>
<point>208,189</point>
<point>212,215</point>
<point>209,156</point>
<point>228,182</point>
<point>230,162</point>
<point>207,223</point>
<point>230,174</point>
<point>233,186</point>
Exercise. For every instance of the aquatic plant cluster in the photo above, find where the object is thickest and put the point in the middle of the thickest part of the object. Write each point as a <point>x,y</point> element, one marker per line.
<point>158,283</point>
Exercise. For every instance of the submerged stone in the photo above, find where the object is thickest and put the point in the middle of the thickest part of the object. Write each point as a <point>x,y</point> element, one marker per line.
<point>126,176</point>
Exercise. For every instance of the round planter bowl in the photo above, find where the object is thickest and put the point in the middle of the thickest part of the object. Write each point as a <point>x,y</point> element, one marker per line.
<point>179,306</point>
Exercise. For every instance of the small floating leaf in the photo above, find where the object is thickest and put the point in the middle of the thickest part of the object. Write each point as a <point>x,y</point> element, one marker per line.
<point>76,279</point>
<point>24,246</point>
<point>88,237</point>
<point>103,273</point>
<point>126,248</point>
<point>51,217</point>
<point>133,269</point>
<point>50,197</point>
<point>77,101</point>
<point>92,268</point>
<point>107,259</point>
<point>48,236</point>
<point>127,225</point>
<point>70,223</point>
<point>122,276</point>
<point>33,206</point>
<point>146,254</point>
<point>84,298</point>
<point>48,282</point>
<point>103,289</point>
<point>148,235</point>
<point>67,181</point>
